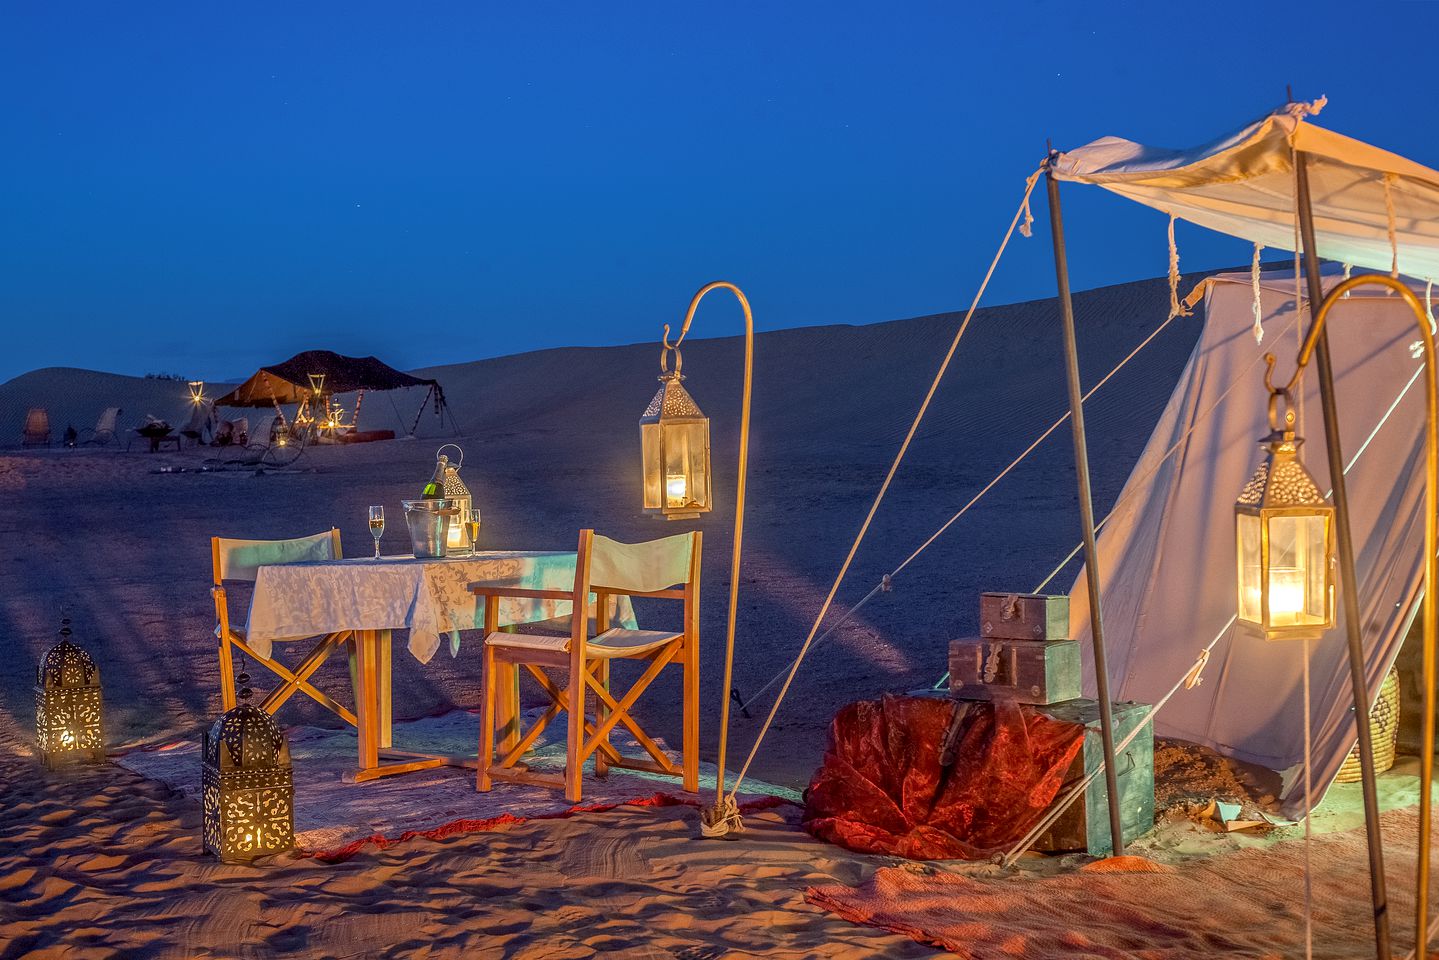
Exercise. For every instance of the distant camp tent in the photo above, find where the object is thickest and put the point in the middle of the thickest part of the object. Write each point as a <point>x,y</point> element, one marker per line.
<point>290,382</point>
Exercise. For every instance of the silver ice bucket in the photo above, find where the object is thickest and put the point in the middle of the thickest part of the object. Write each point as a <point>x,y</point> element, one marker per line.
<point>429,523</point>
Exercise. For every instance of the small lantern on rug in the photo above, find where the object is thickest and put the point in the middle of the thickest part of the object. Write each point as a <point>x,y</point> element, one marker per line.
<point>1285,532</point>
<point>675,450</point>
<point>248,787</point>
<point>455,490</point>
<point>68,706</point>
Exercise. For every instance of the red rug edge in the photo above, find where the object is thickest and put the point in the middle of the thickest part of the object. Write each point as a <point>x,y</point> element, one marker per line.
<point>463,826</point>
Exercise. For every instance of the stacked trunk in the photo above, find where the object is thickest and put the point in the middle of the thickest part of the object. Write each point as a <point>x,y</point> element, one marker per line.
<point>1024,654</point>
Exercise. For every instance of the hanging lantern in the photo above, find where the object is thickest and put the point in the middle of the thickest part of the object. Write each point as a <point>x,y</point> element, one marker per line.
<point>197,392</point>
<point>317,384</point>
<point>675,450</point>
<point>68,707</point>
<point>1285,533</point>
<point>456,491</point>
<point>247,786</point>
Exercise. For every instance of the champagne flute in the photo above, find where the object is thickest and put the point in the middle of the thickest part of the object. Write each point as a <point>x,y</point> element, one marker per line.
<point>377,527</point>
<point>472,529</point>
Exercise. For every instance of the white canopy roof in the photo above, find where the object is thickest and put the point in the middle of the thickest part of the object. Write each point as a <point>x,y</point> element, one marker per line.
<point>1366,201</point>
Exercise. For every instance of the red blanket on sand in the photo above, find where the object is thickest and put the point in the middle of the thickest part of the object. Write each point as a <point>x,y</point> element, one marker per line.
<point>881,788</point>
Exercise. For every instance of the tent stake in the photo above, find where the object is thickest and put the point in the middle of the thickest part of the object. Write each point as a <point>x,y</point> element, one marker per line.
<point>1348,590</point>
<point>1086,510</point>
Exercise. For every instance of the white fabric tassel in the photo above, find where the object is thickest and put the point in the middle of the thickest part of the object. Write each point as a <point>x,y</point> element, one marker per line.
<point>1393,233</point>
<point>1258,305</point>
<point>1429,306</point>
<point>1176,309</point>
<point>1348,272</point>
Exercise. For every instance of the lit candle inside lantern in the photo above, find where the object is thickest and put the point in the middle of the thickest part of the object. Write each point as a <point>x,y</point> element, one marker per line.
<point>676,489</point>
<point>1286,594</point>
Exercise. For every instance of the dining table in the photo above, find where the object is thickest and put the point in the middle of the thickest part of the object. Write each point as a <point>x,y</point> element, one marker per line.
<point>370,598</point>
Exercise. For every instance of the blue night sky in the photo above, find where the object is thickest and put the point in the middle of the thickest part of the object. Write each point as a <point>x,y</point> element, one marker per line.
<point>200,188</point>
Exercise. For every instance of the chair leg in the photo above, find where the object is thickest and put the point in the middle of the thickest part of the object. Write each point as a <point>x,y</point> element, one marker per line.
<point>487,722</point>
<point>227,676</point>
<point>575,740</point>
<point>691,707</point>
<point>602,763</point>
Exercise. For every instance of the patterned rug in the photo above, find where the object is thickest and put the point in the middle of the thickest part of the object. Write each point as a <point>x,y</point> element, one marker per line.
<point>335,819</point>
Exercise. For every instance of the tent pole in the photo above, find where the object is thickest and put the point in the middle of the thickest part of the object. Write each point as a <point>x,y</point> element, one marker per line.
<point>1086,511</point>
<point>1348,584</point>
<point>421,412</point>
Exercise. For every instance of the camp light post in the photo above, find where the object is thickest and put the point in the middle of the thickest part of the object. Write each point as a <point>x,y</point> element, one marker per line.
<point>675,454</point>
<point>1315,343</point>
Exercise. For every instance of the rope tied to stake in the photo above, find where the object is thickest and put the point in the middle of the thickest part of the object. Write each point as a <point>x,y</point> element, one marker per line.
<point>722,819</point>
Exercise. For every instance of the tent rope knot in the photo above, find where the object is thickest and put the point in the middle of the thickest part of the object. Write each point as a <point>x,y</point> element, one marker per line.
<point>1176,309</point>
<point>1195,676</point>
<point>1258,298</point>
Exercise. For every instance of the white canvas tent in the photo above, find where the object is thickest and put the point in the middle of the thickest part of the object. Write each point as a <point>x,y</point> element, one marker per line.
<point>1167,555</point>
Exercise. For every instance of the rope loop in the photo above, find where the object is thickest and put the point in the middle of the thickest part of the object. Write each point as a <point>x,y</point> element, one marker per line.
<point>722,819</point>
<point>1176,309</point>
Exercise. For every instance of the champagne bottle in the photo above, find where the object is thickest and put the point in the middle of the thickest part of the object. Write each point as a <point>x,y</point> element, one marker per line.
<point>435,489</point>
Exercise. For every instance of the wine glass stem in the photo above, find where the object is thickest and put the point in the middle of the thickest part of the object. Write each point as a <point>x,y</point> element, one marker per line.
<point>377,548</point>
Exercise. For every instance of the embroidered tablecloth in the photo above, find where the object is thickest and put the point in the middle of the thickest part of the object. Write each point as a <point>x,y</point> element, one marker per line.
<point>428,597</point>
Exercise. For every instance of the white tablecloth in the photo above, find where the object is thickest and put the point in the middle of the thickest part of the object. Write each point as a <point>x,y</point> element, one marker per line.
<point>429,597</point>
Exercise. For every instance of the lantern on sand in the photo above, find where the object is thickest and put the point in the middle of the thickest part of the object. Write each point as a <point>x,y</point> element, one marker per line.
<point>68,707</point>
<point>247,786</point>
<point>675,449</point>
<point>455,490</point>
<point>1285,533</point>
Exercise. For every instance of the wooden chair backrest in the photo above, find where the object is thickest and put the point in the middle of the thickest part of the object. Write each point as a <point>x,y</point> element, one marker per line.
<point>239,560</point>
<point>667,568</point>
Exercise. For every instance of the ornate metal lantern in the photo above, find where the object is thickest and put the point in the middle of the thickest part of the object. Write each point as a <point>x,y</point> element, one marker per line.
<point>456,491</point>
<point>675,450</point>
<point>68,706</point>
<point>1285,534</point>
<point>248,786</point>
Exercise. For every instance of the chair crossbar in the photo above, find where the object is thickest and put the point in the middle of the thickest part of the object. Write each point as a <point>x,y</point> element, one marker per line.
<point>303,671</point>
<point>619,711</point>
<point>278,668</point>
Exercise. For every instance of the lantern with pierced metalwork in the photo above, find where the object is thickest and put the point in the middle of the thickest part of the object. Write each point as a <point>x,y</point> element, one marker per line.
<point>456,491</point>
<point>675,451</point>
<point>1285,534</point>
<point>248,786</point>
<point>68,706</point>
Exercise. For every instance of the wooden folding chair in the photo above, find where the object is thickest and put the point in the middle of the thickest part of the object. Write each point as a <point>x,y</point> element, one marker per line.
<point>667,568</point>
<point>237,561</point>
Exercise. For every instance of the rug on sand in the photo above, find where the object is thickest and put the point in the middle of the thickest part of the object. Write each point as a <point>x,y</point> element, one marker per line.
<point>334,819</point>
<point>1247,903</point>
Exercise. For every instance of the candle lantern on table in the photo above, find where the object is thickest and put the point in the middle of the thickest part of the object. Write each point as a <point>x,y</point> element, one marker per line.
<point>1285,534</point>
<point>68,706</point>
<point>455,490</point>
<point>675,449</point>
<point>247,786</point>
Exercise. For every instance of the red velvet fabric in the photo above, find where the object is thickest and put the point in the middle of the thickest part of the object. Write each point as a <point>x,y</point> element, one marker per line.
<point>881,788</point>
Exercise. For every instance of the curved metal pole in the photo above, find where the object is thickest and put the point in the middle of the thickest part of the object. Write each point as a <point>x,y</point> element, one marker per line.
<point>739,500</point>
<point>1312,341</point>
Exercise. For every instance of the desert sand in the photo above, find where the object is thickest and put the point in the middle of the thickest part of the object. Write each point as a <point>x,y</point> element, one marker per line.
<point>106,863</point>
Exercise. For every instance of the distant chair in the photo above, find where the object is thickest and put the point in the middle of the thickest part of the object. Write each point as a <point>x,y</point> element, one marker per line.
<point>37,428</point>
<point>104,432</point>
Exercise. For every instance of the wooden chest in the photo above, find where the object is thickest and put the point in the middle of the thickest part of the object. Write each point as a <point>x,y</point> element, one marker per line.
<point>1030,672</point>
<point>1023,616</point>
<point>1085,825</point>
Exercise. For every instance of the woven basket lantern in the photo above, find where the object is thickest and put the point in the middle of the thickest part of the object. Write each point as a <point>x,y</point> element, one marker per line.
<point>1383,731</point>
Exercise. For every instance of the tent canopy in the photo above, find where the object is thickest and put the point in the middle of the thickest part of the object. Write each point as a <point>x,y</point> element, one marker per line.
<point>1367,202</point>
<point>289,382</point>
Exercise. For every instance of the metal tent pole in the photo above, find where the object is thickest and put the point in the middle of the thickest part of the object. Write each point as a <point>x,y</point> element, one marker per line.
<point>1086,510</point>
<point>1348,583</point>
